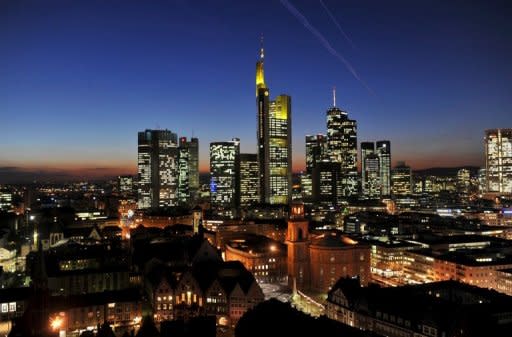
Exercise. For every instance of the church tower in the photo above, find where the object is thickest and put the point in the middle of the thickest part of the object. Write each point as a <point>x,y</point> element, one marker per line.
<point>297,240</point>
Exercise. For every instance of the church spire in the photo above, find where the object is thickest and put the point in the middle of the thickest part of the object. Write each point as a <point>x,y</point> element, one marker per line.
<point>260,78</point>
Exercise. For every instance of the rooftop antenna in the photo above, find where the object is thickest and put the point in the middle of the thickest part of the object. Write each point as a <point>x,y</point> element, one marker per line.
<point>262,53</point>
<point>334,96</point>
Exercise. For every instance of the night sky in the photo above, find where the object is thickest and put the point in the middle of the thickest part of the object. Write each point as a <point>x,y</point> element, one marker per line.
<point>78,79</point>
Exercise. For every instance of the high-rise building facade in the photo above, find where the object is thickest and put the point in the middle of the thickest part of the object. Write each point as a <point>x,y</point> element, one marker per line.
<point>367,148</point>
<point>188,170</point>
<point>498,161</point>
<point>326,179</point>
<point>306,186</point>
<point>5,200</point>
<point>274,142</point>
<point>482,180</point>
<point>249,179</point>
<point>463,180</point>
<point>125,184</point>
<point>224,177</point>
<point>401,180</point>
<point>193,165</point>
<point>157,166</point>
<point>316,150</point>
<point>371,187</point>
<point>342,147</point>
<point>280,148</point>
<point>383,150</point>
<point>183,174</point>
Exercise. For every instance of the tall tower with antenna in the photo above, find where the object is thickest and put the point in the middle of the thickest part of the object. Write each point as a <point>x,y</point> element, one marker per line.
<point>262,106</point>
<point>342,147</point>
<point>274,141</point>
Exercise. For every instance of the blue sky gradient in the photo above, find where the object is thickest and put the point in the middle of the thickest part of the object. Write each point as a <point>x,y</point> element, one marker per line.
<point>78,79</point>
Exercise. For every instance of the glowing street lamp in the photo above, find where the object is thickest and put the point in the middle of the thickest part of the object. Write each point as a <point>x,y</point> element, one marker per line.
<point>57,322</point>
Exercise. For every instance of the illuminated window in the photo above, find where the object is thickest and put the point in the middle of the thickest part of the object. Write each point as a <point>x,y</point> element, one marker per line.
<point>4,307</point>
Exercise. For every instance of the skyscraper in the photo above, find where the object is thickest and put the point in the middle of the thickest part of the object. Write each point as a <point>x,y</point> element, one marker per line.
<point>342,146</point>
<point>306,185</point>
<point>463,179</point>
<point>463,184</point>
<point>188,170</point>
<point>249,179</point>
<point>157,164</point>
<point>372,180</point>
<point>125,185</point>
<point>401,180</point>
<point>280,148</point>
<point>316,150</point>
<point>384,152</point>
<point>367,148</point>
<point>183,173</point>
<point>498,161</point>
<point>274,142</point>
<point>326,183</point>
<point>224,177</point>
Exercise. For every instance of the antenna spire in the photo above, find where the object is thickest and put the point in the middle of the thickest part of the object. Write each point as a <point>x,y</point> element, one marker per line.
<point>334,96</point>
<point>262,54</point>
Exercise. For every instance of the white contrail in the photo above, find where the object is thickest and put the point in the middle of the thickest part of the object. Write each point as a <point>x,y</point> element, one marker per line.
<point>324,42</point>
<point>333,19</point>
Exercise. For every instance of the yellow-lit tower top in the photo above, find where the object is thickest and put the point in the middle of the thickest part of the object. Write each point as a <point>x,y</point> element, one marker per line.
<point>260,78</point>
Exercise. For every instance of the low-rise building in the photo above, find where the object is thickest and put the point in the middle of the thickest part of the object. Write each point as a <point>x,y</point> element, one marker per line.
<point>264,257</point>
<point>435,309</point>
<point>225,290</point>
<point>13,302</point>
<point>387,261</point>
<point>122,309</point>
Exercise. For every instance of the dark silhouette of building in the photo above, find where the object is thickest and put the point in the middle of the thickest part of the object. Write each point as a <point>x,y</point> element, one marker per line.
<point>273,318</point>
<point>445,308</point>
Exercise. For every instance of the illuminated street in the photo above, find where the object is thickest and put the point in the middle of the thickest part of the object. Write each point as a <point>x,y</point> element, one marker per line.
<point>278,291</point>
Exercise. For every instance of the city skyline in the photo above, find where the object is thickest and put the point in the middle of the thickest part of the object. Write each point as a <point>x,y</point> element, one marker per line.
<point>81,93</point>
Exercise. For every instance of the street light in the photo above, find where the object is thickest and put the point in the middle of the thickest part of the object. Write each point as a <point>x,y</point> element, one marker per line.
<point>56,322</point>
